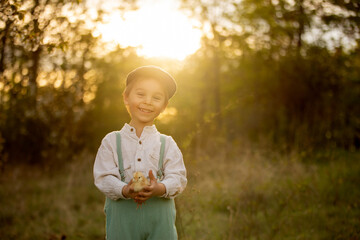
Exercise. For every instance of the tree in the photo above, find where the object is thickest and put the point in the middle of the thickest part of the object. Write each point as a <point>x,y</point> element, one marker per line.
<point>46,79</point>
<point>279,84</point>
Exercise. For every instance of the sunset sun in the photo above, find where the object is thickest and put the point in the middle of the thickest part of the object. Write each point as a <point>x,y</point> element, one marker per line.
<point>156,28</point>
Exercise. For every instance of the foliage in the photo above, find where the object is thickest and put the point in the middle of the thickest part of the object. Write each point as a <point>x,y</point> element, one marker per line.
<point>47,50</point>
<point>258,78</point>
<point>274,86</point>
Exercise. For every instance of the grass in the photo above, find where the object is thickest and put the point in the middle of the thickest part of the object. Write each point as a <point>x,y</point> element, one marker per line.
<point>243,195</point>
<point>38,204</point>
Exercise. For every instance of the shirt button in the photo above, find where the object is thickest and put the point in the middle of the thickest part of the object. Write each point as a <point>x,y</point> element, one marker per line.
<point>139,159</point>
<point>132,129</point>
<point>139,142</point>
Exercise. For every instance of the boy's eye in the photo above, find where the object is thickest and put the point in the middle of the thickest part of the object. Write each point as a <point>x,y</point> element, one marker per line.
<point>157,98</point>
<point>140,94</point>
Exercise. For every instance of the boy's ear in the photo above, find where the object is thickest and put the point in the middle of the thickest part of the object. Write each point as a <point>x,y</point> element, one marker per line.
<point>165,105</point>
<point>125,98</point>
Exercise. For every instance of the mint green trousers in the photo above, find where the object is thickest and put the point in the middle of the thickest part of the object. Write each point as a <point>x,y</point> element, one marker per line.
<point>155,220</point>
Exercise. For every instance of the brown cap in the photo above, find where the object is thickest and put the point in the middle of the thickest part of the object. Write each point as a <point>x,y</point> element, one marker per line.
<point>154,72</point>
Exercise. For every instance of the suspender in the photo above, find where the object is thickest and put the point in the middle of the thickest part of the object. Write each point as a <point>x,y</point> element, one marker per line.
<point>119,153</point>
<point>160,171</point>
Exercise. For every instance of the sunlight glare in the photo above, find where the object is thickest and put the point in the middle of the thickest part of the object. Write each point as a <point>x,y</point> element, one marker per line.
<point>157,28</point>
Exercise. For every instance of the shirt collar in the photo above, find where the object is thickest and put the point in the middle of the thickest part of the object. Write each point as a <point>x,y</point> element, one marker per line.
<point>146,131</point>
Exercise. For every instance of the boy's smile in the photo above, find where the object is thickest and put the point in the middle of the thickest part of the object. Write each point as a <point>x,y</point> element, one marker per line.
<point>145,101</point>
<point>145,110</point>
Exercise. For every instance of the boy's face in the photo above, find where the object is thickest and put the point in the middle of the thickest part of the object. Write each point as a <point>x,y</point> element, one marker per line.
<point>145,101</point>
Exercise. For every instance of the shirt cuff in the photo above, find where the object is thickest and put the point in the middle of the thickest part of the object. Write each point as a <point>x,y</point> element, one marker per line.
<point>121,191</point>
<point>167,187</point>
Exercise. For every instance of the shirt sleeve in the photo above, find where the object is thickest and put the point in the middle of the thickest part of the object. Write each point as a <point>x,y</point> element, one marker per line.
<point>106,172</point>
<point>174,170</point>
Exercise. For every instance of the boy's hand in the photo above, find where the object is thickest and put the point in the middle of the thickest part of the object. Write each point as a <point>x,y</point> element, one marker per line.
<point>128,191</point>
<point>155,189</point>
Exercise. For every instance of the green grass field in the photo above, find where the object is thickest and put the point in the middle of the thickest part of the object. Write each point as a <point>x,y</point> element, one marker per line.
<point>247,195</point>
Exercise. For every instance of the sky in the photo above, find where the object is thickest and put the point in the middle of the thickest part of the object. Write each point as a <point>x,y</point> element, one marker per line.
<point>157,28</point>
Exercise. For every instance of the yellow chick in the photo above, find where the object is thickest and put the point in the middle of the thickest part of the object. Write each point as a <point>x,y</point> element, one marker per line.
<point>139,181</point>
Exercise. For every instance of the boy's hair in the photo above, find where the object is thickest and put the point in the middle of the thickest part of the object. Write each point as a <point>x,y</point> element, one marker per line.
<point>151,72</point>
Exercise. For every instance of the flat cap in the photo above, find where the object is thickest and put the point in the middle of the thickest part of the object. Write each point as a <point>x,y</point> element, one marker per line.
<point>155,72</point>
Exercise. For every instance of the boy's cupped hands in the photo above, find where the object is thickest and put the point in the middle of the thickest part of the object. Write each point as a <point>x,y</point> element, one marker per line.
<point>154,189</point>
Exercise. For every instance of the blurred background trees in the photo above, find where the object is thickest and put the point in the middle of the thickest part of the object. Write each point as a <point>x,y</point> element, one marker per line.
<point>47,80</point>
<point>279,74</point>
<point>283,81</point>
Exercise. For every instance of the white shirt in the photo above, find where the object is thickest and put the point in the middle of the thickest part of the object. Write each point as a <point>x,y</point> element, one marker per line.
<point>139,154</point>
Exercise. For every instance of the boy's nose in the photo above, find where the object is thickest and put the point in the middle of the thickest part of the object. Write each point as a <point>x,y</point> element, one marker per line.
<point>148,100</point>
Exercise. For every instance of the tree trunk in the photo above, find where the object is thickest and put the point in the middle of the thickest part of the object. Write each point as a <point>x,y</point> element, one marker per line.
<point>201,133</point>
<point>3,43</point>
<point>33,78</point>
<point>35,58</point>
<point>216,79</point>
<point>301,20</point>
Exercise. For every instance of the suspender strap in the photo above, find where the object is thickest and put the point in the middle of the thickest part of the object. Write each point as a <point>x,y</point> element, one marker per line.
<point>160,171</point>
<point>119,153</point>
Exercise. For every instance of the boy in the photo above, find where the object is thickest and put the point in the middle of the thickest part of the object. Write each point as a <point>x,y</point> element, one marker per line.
<point>138,146</point>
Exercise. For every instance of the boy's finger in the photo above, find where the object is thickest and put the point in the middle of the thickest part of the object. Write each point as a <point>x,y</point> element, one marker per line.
<point>146,194</point>
<point>151,176</point>
<point>148,189</point>
<point>141,199</point>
